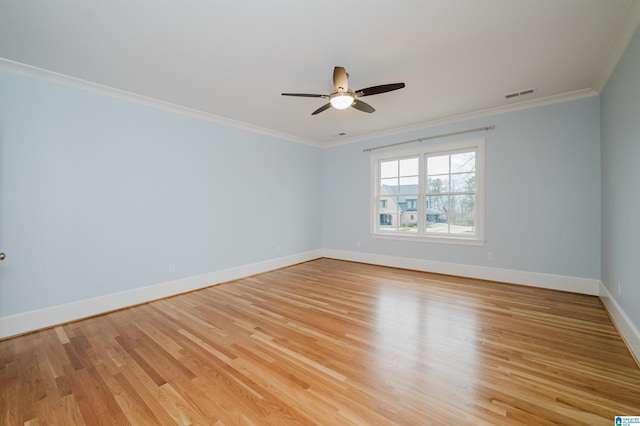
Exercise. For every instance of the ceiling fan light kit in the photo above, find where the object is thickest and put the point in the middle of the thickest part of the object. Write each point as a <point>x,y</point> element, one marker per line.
<point>343,98</point>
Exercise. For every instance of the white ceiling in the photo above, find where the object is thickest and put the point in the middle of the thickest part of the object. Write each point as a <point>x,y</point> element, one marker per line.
<point>233,58</point>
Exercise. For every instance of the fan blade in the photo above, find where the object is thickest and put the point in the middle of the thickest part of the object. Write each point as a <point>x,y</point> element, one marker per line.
<point>340,79</point>
<point>362,106</point>
<point>322,108</point>
<point>375,90</point>
<point>305,95</point>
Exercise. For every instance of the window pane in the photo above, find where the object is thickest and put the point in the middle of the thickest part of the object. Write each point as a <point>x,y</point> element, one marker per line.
<point>436,208</point>
<point>409,167</point>
<point>388,169</point>
<point>463,162</point>
<point>408,223</point>
<point>385,204</point>
<point>438,165</point>
<point>388,213</point>
<point>385,219</point>
<point>462,214</point>
<point>465,205</point>
<point>389,186</point>
<point>388,221</point>
<point>438,184</point>
<point>438,202</point>
<point>436,214</point>
<point>463,182</point>
<point>409,185</point>
<point>410,203</point>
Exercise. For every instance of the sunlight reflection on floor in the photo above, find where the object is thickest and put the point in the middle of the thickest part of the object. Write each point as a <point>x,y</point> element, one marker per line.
<point>414,330</point>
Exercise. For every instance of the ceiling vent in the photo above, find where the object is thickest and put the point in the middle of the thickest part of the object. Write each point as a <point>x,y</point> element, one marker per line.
<point>522,93</point>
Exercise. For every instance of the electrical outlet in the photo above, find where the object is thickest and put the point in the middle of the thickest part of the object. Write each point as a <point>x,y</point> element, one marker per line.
<point>357,243</point>
<point>278,249</point>
<point>619,288</point>
<point>172,268</point>
<point>489,255</point>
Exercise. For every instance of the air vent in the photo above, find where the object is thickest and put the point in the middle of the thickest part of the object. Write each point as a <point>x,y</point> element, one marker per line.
<point>522,93</point>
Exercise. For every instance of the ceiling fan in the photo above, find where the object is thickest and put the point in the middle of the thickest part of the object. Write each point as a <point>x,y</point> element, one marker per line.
<point>342,97</point>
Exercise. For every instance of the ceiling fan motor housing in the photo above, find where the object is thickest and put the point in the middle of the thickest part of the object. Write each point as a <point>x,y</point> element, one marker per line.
<point>342,97</point>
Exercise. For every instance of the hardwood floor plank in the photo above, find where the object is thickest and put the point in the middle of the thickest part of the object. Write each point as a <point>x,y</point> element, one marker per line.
<point>132,404</point>
<point>96,402</point>
<point>180,409</point>
<point>329,342</point>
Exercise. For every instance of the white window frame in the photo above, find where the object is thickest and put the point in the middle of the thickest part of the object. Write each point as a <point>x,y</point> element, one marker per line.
<point>421,152</point>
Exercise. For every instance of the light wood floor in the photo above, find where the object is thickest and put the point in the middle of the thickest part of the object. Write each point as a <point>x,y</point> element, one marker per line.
<point>332,343</point>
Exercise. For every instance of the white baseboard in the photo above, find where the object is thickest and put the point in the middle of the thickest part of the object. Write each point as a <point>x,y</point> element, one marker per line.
<point>42,318</point>
<point>629,332</point>
<point>533,279</point>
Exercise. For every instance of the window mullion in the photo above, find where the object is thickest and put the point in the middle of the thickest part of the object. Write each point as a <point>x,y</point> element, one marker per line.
<point>421,199</point>
<point>449,208</point>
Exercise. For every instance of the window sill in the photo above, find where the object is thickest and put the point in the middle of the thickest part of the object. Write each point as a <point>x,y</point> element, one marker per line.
<point>429,239</point>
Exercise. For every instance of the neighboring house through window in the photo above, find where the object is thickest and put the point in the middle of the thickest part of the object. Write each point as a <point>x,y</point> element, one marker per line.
<point>385,219</point>
<point>432,193</point>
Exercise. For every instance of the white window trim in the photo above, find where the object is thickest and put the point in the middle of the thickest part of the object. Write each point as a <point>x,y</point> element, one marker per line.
<point>476,240</point>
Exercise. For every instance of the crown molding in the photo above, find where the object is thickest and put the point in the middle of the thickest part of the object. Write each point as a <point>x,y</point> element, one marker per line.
<point>100,89</point>
<point>77,83</point>
<point>619,44</point>
<point>533,103</point>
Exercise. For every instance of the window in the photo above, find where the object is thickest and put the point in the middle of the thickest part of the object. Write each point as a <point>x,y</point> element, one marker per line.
<point>432,193</point>
<point>385,219</point>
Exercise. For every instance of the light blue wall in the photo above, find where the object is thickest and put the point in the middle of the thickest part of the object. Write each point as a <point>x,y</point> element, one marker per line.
<point>620,118</point>
<point>100,195</point>
<point>542,193</point>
